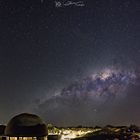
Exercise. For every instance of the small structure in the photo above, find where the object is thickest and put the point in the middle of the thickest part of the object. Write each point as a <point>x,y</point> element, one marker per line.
<point>26,127</point>
<point>2,129</point>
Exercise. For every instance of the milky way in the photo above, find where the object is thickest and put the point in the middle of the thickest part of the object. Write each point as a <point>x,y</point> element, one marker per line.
<point>91,95</point>
<point>105,84</point>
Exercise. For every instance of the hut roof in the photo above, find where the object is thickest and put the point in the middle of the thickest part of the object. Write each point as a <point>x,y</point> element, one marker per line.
<point>26,125</point>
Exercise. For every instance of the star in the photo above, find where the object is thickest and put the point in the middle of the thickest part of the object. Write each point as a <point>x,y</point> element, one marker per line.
<point>42,1</point>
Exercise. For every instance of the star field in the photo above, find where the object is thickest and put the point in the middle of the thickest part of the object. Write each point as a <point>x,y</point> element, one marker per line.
<point>44,49</point>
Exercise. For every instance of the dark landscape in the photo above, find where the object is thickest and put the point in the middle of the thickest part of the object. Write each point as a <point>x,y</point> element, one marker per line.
<point>95,133</point>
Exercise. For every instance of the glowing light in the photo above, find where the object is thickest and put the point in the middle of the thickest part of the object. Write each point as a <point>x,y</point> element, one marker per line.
<point>106,73</point>
<point>70,136</point>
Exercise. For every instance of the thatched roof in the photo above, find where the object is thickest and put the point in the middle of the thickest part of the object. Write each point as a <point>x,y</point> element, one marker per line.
<point>27,125</point>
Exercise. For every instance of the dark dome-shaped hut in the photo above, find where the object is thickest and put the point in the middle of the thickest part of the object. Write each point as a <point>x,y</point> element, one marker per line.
<point>26,125</point>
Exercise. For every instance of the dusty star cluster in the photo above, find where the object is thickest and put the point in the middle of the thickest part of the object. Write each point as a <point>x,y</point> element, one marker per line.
<point>108,83</point>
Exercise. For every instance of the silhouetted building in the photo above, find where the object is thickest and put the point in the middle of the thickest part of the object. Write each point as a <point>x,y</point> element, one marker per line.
<point>26,127</point>
<point>2,129</point>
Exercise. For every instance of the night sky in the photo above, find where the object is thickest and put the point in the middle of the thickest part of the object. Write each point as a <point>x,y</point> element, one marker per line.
<point>71,64</point>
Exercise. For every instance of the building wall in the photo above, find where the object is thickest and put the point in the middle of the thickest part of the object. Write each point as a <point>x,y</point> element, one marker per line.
<point>2,138</point>
<point>26,138</point>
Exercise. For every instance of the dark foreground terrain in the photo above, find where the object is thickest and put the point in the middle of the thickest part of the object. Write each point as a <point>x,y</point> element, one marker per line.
<point>109,137</point>
<point>112,133</point>
<point>108,132</point>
